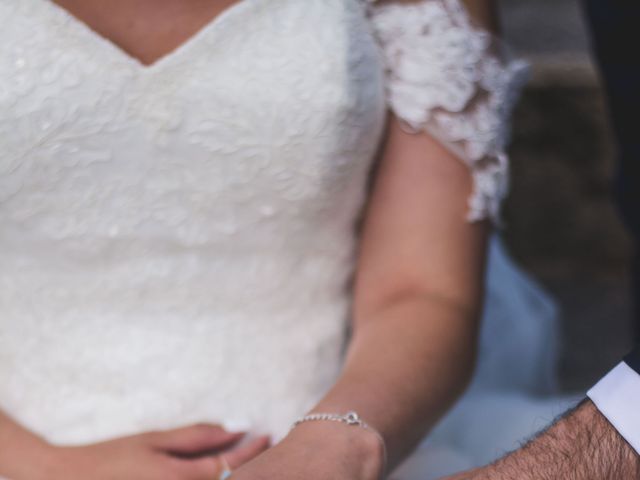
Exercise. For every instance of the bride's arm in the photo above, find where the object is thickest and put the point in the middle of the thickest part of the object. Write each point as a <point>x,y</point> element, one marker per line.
<point>417,294</point>
<point>415,314</point>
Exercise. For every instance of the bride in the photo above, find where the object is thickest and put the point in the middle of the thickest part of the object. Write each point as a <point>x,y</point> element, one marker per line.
<point>219,217</point>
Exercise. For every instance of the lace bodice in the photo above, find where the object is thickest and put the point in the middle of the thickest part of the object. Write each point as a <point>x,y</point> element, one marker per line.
<point>177,240</point>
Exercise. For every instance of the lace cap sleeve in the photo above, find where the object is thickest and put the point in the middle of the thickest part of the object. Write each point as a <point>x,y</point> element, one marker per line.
<point>447,77</point>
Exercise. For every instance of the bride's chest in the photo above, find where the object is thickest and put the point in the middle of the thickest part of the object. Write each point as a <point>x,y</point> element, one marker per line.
<point>271,89</point>
<point>145,30</point>
<point>268,57</point>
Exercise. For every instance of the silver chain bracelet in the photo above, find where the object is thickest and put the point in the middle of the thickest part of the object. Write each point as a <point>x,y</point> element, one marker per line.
<point>349,418</point>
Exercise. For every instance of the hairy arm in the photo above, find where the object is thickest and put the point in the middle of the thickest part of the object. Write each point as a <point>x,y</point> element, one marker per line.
<point>582,445</point>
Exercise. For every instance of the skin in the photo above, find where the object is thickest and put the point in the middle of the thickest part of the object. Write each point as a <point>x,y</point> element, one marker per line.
<point>417,295</point>
<point>187,453</point>
<point>582,445</point>
<point>146,30</point>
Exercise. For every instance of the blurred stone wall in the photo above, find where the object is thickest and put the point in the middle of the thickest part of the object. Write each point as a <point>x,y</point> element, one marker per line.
<point>561,221</point>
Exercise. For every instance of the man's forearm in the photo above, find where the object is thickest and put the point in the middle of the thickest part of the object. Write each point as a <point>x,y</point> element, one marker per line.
<point>581,446</point>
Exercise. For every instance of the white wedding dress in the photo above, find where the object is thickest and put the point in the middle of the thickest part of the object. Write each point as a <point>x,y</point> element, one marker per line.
<point>177,240</point>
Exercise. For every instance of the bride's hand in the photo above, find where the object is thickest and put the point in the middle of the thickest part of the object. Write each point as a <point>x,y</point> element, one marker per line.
<point>182,454</point>
<point>319,451</point>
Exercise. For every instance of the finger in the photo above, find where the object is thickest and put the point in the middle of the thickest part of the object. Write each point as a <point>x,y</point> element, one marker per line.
<point>241,455</point>
<point>204,468</point>
<point>195,439</point>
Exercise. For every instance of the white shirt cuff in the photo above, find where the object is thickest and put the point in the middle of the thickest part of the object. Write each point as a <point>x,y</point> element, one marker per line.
<point>617,396</point>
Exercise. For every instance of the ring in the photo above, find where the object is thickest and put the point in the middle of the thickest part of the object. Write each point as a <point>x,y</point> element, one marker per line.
<point>226,469</point>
